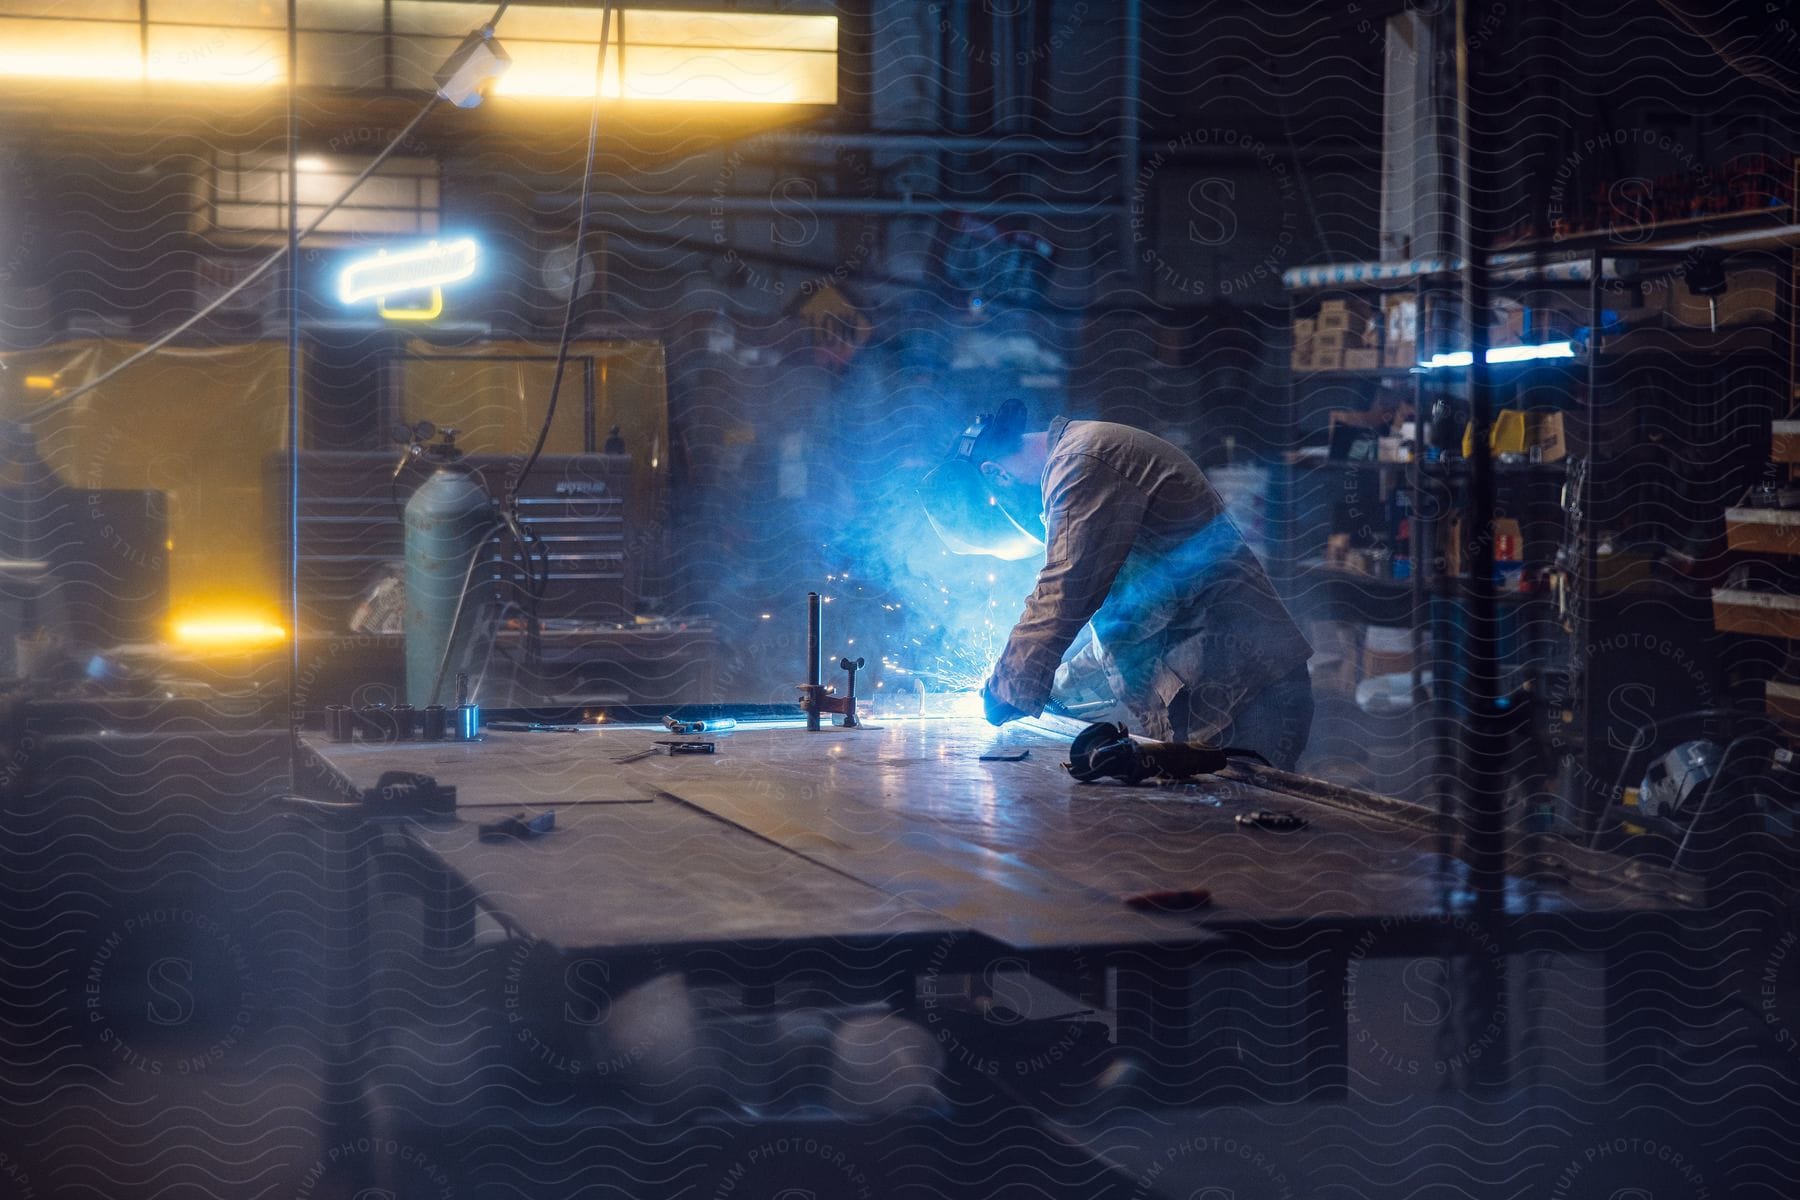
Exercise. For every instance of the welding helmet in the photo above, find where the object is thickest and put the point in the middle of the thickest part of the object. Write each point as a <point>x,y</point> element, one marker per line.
<point>974,514</point>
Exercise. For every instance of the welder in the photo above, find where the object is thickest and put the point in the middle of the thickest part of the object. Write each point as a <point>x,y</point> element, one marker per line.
<point>1189,632</point>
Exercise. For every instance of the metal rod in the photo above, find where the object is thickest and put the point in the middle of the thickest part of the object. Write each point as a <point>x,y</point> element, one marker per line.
<point>1485,744</point>
<point>815,665</point>
<point>292,550</point>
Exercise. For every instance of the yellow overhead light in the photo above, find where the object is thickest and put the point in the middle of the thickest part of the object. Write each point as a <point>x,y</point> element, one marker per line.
<point>657,56</point>
<point>40,383</point>
<point>228,631</point>
<point>115,52</point>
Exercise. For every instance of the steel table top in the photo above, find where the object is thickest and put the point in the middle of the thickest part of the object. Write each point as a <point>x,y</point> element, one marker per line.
<point>899,828</point>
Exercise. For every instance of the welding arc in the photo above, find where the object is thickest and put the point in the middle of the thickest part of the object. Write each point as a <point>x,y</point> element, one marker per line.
<point>568,321</point>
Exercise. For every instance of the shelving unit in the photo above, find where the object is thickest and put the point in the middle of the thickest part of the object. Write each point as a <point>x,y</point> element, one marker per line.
<point>1550,635</point>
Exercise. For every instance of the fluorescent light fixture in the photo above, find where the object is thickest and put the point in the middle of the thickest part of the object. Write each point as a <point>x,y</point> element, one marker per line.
<point>420,269</point>
<point>1503,354</point>
<point>311,162</point>
<point>227,632</point>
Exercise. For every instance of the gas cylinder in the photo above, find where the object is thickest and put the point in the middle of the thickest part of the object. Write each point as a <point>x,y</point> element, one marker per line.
<point>448,521</point>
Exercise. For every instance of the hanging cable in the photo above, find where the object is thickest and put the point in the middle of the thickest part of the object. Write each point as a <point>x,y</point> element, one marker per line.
<point>294,239</point>
<point>581,223</point>
<point>256,272</point>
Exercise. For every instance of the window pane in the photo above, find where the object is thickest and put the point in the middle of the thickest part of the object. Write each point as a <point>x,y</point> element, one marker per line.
<point>416,60</point>
<point>361,16</point>
<point>741,76</point>
<point>92,10</point>
<point>200,54</point>
<point>70,50</point>
<point>556,69</point>
<point>428,16</point>
<point>749,30</point>
<point>545,23</point>
<point>341,60</point>
<point>267,14</point>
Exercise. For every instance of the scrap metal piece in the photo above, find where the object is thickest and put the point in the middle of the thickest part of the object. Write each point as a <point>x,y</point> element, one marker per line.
<point>518,828</point>
<point>689,747</point>
<point>1172,900</point>
<point>635,756</point>
<point>1269,819</point>
<point>1005,756</point>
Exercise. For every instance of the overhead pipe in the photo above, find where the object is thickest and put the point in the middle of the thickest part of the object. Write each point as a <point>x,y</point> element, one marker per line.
<point>680,203</point>
<point>1129,115</point>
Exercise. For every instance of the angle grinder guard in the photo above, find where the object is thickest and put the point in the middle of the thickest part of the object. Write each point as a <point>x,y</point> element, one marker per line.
<point>1103,749</point>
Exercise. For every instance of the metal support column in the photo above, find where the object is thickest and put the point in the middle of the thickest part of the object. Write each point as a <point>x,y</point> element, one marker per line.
<point>1484,740</point>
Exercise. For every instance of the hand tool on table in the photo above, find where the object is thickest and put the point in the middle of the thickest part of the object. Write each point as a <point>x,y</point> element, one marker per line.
<point>532,727</point>
<point>1104,749</point>
<point>409,794</point>
<point>674,749</point>
<point>518,828</point>
<point>703,725</point>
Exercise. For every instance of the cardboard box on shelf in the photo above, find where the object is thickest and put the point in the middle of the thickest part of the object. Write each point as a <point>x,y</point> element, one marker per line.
<point>1351,306</point>
<point>1387,650</point>
<point>1332,339</point>
<point>1324,359</point>
<point>1300,356</point>
<point>1334,661</point>
<point>1362,359</point>
<point>1548,443</point>
<point>1350,315</point>
<point>1400,317</point>
<point>1752,297</point>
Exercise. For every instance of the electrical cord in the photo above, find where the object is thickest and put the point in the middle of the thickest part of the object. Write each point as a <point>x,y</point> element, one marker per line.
<point>462,595</point>
<point>255,274</point>
<point>581,224</point>
<point>266,264</point>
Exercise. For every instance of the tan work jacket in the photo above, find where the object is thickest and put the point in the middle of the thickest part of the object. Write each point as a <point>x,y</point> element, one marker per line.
<point>1137,541</point>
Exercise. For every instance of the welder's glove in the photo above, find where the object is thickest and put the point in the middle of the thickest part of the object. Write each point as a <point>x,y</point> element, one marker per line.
<point>997,711</point>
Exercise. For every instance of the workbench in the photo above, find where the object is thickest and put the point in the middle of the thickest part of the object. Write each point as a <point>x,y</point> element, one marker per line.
<point>896,844</point>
